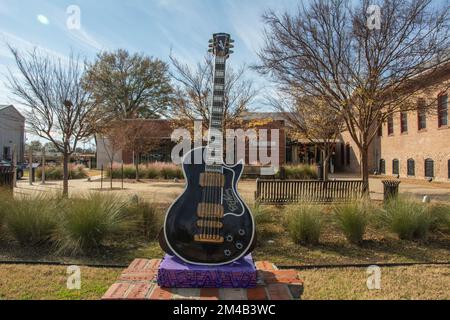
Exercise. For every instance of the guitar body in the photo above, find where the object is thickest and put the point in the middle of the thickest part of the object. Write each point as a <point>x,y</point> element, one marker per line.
<point>188,228</point>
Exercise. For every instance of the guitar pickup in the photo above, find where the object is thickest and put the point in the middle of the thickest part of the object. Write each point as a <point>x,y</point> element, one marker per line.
<point>204,238</point>
<point>209,224</point>
<point>211,179</point>
<point>210,210</point>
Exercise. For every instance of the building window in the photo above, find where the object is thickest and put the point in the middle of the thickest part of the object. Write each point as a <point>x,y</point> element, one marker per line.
<point>429,168</point>
<point>448,169</point>
<point>411,167</point>
<point>380,130</point>
<point>443,110</point>
<point>404,121</point>
<point>395,167</point>
<point>421,115</point>
<point>390,122</point>
<point>382,166</point>
<point>342,154</point>
<point>6,153</point>
<point>347,151</point>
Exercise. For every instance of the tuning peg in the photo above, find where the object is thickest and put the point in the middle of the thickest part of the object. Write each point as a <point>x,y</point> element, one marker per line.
<point>211,40</point>
<point>211,50</point>
<point>211,46</point>
<point>230,46</point>
<point>231,51</point>
<point>231,41</point>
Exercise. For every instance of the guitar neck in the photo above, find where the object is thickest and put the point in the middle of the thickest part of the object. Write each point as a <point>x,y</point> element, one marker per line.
<point>218,100</point>
<point>217,113</point>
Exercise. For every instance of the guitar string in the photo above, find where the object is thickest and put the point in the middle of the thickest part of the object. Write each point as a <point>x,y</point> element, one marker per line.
<point>202,206</point>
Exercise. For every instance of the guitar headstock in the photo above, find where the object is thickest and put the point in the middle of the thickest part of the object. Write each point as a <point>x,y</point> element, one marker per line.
<point>221,44</point>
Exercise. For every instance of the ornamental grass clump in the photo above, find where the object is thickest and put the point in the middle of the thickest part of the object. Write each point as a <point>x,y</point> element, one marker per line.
<point>85,223</point>
<point>352,219</point>
<point>53,173</point>
<point>266,222</point>
<point>440,214</point>
<point>301,172</point>
<point>146,217</point>
<point>408,218</point>
<point>304,223</point>
<point>32,220</point>
<point>155,170</point>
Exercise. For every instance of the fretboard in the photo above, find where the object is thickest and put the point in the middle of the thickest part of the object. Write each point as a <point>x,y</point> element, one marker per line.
<point>217,111</point>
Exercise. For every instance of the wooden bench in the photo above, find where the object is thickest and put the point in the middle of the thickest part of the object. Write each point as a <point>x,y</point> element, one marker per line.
<point>310,191</point>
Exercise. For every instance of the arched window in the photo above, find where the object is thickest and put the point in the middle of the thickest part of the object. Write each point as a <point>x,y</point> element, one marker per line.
<point>411,167</point>
<point>382,166</point>
<point>429,168</point>
<point>395,167</point>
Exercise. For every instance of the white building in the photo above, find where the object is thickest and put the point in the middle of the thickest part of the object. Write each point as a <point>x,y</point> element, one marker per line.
<point>12,133</point>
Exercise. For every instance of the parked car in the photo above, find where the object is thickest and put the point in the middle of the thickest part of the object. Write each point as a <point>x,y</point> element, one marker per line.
<point>20,167</point>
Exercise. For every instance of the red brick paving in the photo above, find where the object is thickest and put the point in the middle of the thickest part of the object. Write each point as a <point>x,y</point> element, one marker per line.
<point>138,282</point>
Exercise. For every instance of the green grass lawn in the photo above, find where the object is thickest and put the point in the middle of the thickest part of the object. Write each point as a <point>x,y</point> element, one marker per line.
<point>24,282</point>
<point>274,244</point>
<point>48,282</point>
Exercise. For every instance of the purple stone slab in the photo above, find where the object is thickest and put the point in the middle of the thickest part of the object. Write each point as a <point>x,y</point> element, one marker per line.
<point>175,273</point>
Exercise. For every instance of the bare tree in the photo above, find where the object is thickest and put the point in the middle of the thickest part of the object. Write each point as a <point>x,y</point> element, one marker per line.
<point>114,140</point>
<point>59,109</point>
<point>140,138</point>
<point>365,74</point>
<point>310,118</point>
<point>194,93</point>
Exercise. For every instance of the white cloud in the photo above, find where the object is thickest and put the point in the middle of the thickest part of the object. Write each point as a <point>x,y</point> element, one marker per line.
<point>43,19</point>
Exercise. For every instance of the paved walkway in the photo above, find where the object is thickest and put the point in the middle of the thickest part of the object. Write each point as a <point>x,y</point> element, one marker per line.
<point>167,191</point>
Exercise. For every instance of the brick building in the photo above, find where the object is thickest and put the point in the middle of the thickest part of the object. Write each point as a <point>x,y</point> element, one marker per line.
<point>414,144</point>
<point>161,131</point>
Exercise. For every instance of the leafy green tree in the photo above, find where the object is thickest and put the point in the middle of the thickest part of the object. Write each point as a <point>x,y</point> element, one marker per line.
<point>130,86</point>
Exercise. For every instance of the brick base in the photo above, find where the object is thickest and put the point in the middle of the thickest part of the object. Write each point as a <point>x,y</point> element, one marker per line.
<point>139,282</point>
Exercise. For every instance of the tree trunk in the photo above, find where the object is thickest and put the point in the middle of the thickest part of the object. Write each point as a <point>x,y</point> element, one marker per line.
<point>325,168</point>
<point>66,175</point>
<point>136,164</point>
<point>111,174</point>
<point>365,167</point>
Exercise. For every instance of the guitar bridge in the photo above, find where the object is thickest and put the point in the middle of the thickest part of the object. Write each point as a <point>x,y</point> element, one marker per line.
<point>204,238</point>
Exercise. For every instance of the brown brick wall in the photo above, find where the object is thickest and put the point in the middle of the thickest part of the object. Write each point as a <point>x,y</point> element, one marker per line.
<point>166,129</point>
<point>431,143</point>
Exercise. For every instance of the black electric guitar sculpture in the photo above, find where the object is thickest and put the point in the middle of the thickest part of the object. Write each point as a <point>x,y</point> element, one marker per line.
<point>209,224</point>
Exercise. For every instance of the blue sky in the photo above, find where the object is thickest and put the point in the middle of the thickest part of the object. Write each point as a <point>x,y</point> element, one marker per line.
<point>154,27</point>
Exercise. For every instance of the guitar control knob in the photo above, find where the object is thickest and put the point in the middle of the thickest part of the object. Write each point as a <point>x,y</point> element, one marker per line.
<point>239,245</point>
<point>229,238</point>
<point>242,232</point>
<point>227,253</point>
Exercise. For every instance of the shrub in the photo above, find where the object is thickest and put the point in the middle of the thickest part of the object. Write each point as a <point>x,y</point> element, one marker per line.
<point>147,218</point>
<point>304,223</point>
<point>301,172</point>
<point>32,220</point>
<point>408,218</point>
<point>352,219</point>
<point>87,222</point>
<point>56,172</point>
